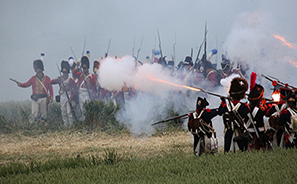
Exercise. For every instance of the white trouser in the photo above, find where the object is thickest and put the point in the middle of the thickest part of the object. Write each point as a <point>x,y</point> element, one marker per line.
<point>83,97</point>
<point>66,110</point>
<point>39,107</point>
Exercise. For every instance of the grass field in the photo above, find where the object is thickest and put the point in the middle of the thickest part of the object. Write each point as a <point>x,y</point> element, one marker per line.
<point>105,152</point>
<point>84,157</point>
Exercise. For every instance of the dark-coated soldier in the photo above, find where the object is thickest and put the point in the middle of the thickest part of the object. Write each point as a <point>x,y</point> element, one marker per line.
<point>273,113</point>
<point>235,116</point>
<point>42,91</point>
<point>288,119</point>
<point>258,109</point>
<point>200,125</point>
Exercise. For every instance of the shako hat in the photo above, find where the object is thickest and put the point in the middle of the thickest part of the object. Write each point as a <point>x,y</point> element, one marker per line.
<point>170,64</point>
<point>65,67</point>
<point>256,93</point>
<point>38,65</point>
<point>85,63</point>
<point>284,91</point>
<point>201,103</point>
<point>188,61</point>
<point>291,99</point>
<point>238,88</point>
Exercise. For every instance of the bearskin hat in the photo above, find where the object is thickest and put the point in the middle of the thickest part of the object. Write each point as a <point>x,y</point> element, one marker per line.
<point>201,103</point>
<point>85,63</point>
<point>65,67</point>
<point>284,91</point>
<point>96,66</point>
<point>256,93</point>
<point>188,61</point>
<point>238,88</point>
<point>38,65</point>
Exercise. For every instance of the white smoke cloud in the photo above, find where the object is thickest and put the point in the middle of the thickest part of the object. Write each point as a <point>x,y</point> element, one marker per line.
<point>252,41</point>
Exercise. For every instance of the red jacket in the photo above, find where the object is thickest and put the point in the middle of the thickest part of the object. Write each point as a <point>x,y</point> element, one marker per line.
<point>37,87</point>
<point>90,79</point>
<point>70,85</point>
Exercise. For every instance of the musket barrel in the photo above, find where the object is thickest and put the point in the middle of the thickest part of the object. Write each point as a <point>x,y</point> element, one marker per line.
<point>14,80</point>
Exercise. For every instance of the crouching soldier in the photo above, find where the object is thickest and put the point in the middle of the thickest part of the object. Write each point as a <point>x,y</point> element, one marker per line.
<point>67,92</point>
<point>235,117</point>
<point>42,92</point>
<point>200,125</point>
<point>288,117</point>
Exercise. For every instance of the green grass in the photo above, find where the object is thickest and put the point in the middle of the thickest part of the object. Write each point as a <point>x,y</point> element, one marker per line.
<point>278,166</point>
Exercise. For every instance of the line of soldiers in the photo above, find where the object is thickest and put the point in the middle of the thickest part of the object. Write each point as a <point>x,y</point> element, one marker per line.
<point>73,92</point>
<point>244,122</point>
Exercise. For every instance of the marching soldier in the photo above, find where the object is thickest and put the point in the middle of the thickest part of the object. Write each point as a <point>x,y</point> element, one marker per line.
<point>42,91</point>
<point>235,116</point>
<point>288,119</point>
<point>200,125</point>
<point>68,90</point>
<point>87,89</point>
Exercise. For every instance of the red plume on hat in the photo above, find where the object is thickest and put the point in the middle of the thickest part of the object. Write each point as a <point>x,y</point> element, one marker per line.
<point>253,80</point>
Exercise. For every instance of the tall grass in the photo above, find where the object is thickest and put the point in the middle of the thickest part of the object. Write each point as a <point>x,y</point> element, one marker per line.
<point>248,167</point>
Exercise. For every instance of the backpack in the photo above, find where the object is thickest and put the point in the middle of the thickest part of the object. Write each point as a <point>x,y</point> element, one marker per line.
<point>293,123</point>
<point>273,119</point>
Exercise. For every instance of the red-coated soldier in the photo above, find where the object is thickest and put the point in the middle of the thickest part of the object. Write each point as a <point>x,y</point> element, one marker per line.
<point>42,92</point>
<point>67,92</point>
<point>87,88</point>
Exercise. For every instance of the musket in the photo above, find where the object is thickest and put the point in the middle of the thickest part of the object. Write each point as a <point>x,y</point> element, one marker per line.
<point>205,33</point>
<point>138,52</point>
<point>14,80</point>
<point>160,47</point>
<point>71,107</point>
<point>273,79</point>
<point>173,118</point>
<point>106,54</point>
<point>133,46</point>
<point>217,95</point>
<point>211,93</point>
<point>73,54</point>
<point>84,47</point>
<point>197,57</point>
<point>173,57</point>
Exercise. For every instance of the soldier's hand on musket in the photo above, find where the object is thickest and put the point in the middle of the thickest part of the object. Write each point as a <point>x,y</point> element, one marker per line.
<point>223,99</point>
<point>19,84</point>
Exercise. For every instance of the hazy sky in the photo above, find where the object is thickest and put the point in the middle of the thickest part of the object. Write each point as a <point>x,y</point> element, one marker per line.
<point>30,27</point>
